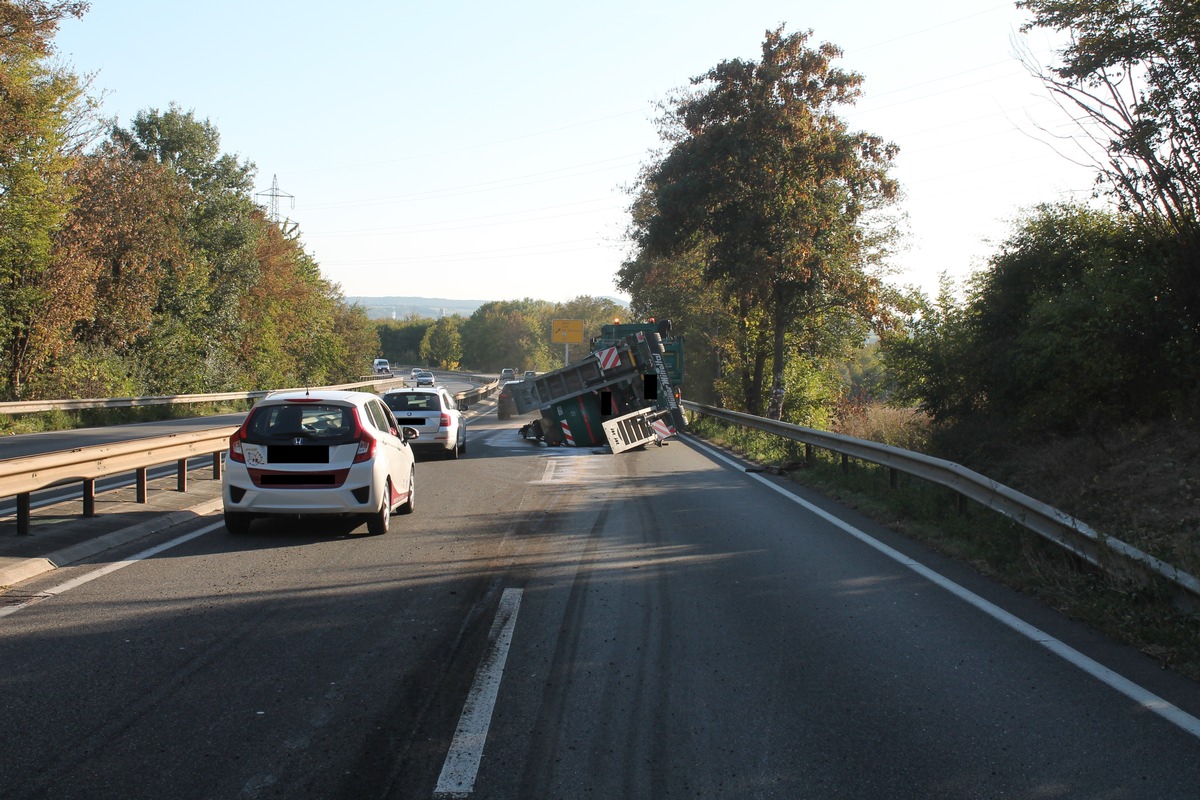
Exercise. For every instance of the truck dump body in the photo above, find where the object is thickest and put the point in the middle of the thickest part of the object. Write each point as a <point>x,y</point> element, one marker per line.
<point>591,373</point>
<point>620,394</point>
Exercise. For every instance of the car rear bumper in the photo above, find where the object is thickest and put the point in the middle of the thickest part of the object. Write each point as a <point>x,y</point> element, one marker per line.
<point>432,441</point>
<point>356,494</point>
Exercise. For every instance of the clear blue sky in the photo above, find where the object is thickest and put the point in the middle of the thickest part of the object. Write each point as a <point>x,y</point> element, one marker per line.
<point>478,150</point>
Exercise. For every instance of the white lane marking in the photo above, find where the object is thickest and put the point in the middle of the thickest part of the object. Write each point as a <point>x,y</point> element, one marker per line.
<point>113,567</point>
<point>466,749</point>
<point>1143,697</point>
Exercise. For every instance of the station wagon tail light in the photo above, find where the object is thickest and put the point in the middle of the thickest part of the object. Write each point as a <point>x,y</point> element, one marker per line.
<point>445,423</point>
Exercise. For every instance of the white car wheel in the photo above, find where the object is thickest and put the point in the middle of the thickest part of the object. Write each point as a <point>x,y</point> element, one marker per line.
<point>380,522</point>
<point>410,504</point>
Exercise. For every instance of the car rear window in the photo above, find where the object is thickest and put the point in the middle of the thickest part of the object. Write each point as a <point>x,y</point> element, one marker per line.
<point>316,421</point>
<point>412,401</point>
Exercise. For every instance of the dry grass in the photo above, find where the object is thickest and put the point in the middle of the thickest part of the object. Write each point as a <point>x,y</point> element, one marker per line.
<point>906,428</point>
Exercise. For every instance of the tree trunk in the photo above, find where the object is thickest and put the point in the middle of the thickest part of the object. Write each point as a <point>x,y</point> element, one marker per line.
<point>778,387</point>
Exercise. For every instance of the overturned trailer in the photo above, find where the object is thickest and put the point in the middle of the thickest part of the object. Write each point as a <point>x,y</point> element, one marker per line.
<point>620,395</point>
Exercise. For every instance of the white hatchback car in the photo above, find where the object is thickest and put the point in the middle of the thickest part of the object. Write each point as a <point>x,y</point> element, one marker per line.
<point>319,452</point>
<point>434,413</point>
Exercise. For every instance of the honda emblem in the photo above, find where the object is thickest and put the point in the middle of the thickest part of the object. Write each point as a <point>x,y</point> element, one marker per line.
<point>298,441</point>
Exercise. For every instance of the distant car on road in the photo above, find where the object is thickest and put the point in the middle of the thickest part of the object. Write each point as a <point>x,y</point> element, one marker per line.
<point>319,452</point>
<point>382,367</point>
<point>529,374</point>
<point>508,374</point>
<point>425,378</point>
<point>434,413</point>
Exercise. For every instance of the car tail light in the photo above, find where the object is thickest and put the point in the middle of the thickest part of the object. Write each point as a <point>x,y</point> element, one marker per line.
<point>235,447</point>
<point>366,442</point>
<point>445,423</point>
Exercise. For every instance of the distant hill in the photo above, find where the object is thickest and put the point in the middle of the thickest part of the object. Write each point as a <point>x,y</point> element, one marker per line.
<point>401,307</point>
<point>431,307</point>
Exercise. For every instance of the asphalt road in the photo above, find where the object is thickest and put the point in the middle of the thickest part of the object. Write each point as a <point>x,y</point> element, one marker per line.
<point>554,623</point>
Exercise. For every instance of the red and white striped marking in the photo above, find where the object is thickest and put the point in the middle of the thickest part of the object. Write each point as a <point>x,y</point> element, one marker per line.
<point>568,439</point>
<point>609,357</point>
<point>661,429</point>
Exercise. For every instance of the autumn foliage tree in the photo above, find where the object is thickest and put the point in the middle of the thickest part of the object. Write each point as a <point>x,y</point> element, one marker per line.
<point>1129,75</point>
<point>1129,79</point>
<point>141,265</point>
<point>768,191</point>
<point>442,343</point>
<point>506,333</point>
<point>38,101</point>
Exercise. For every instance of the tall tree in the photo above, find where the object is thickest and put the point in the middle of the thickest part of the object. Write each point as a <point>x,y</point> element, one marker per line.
<point>39,101</point>
<point>1130,78</point>
<point>199,311</point>
<point>508,333</point>
<point>768,181</point>
<point>400,340</point>
<point>442,344</point>
<point>127,224</point>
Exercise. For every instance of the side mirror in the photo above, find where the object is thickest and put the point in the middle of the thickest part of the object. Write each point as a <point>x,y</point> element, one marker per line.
<point>411,433</point>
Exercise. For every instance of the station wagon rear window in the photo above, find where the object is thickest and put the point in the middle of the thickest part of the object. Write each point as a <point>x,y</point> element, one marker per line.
<point>413,401</point>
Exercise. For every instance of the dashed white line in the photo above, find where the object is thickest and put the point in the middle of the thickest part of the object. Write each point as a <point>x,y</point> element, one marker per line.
<point>466,749</point>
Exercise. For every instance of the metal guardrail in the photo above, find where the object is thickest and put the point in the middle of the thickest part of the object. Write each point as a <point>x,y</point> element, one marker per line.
<point>1097,549</point>
<point>20,477</point>
<point>465,399</point>
<point>35,406</point>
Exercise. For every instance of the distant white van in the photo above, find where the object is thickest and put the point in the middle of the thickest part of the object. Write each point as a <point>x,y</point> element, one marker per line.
<point>382,367</point>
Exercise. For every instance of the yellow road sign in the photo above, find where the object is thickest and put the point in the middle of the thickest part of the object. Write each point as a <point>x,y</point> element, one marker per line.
<point>567,331</point>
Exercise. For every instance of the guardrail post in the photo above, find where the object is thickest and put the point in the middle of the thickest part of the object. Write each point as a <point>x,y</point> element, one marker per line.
<point>216,457</point>
<point>141,484</point>
<point>808,454</point>
<point>23,505</point>
<point>845,464</point>
<point>89,497</point>
<point>181,475</point>
<point>962,505</point>
<point>893,477</point>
